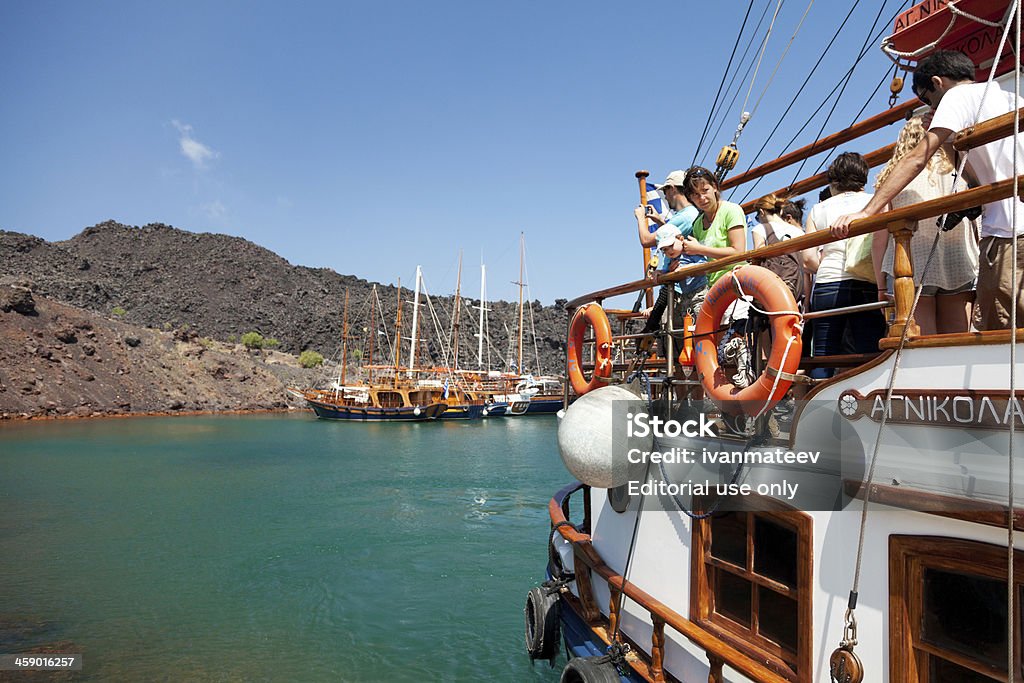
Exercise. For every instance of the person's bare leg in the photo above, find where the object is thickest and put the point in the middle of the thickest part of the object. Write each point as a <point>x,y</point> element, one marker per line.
<point>953,312</point>
<point>925,314</point>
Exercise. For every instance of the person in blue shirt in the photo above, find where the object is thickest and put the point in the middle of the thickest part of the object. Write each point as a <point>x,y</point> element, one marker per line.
<point>689,292</point>
<point>682,216</point>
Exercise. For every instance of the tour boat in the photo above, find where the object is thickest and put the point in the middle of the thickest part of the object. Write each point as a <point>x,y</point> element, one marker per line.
<point>865,537</point>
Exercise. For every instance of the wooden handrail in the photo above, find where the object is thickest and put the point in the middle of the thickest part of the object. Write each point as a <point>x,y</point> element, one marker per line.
<point>985,132</point>
<point>864,127</point>
<point>583,548</point>
<point>913,212</point>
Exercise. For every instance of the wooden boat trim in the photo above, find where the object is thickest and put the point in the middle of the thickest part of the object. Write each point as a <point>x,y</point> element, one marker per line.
<point>986,131</point>
<point>964,509</point>
<point>933,341</point>
<point>588,560</point>
<point>900,111</point>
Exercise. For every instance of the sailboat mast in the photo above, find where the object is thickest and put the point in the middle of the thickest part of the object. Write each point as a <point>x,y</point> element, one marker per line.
<point>398,333</point>
<point>372,327</point>
<point>415,316</point>
<point>455,318</point>
<point>521,250</point>
<point>483,305</point>
<point>344,339</point>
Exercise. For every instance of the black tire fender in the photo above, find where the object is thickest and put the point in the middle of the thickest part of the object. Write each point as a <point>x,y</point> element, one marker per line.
<point>590,670</point>
<point>542,623</point>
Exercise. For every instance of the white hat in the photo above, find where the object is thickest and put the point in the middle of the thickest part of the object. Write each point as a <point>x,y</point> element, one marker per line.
<point>675,178</point>
<point>666,235</point>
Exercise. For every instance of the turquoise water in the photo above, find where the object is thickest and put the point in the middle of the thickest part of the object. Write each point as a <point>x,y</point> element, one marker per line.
<point>276,547</point>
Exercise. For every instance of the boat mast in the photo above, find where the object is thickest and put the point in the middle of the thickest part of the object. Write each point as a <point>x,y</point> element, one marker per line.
<point>398,333</point>
<point>372,327</point>
<point>344,339</point>
<point>519,367</point>
<point>483,306</point>
<point>415,316</point>
<point>455,318</point>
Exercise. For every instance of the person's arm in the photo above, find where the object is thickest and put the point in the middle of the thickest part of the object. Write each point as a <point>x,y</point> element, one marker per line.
<point>737,245</point>
<point>647,238</point>
<point>905,170</point>
<point>757,238</point>
<point>879,245</point>
<point>809,256</point>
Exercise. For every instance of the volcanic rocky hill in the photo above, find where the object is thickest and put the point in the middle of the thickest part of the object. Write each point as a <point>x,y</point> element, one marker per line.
<point>221,287</point>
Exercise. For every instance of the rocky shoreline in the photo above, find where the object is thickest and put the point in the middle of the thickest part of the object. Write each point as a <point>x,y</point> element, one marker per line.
<point>60,361</point>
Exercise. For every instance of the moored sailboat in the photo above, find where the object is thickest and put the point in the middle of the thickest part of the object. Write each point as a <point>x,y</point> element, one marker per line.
<point>380,396</point>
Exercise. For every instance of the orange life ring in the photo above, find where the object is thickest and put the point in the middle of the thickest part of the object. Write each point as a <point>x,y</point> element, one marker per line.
<point>595,316</point>
<point>774,296</point>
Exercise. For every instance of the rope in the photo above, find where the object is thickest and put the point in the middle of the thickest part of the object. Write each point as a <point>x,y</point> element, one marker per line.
<point>784,53</point>
<point>895,55</point>
<point>824,100</point>
<point>799,325</point>
<point>719,112</point>
<point>1011,656</point>
<point>739,35</point>
<point>796,97</point>
<point>764,46</point>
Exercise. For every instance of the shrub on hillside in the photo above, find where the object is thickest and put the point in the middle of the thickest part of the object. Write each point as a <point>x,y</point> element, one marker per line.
<point>310,359</point>
<point>253,340</point>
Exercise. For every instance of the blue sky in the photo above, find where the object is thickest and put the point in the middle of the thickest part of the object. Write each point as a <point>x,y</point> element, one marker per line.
<point>373,137</point>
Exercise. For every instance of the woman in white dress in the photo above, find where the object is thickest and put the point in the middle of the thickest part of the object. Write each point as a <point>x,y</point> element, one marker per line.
<point>949,284</point>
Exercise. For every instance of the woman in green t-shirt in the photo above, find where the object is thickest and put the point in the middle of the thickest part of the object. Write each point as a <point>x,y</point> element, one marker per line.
<point>720,229</point>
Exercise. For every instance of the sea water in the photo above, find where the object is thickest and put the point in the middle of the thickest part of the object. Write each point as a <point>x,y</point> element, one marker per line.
<point>276,548</point>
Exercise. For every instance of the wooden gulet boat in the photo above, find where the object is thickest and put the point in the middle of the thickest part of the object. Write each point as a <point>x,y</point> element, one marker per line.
<point>874,538</point>
<point>380,397</point>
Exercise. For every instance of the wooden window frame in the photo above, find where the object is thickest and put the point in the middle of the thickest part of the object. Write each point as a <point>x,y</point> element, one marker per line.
<point>909,556</point>
<point>749,641</point>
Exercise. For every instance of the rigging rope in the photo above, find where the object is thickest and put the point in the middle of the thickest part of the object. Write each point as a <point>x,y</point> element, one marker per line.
<point>764,46</point>
<point>821,106</point>
<point>807,80</point>
<point>1011,656</point>
<point>721,113</point>
<point>707,123</point>
<point>846,82</point>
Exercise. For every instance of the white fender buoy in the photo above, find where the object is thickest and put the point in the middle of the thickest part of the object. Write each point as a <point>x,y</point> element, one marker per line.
<point>416,411</point>
<point>592,436</point>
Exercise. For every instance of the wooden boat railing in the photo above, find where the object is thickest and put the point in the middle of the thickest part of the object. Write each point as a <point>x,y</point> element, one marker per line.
<point>586,562</point>
<point>899,222</point>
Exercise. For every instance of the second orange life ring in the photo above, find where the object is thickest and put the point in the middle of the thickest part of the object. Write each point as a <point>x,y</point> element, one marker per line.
<point>775,297</point>
<point>595,316</point>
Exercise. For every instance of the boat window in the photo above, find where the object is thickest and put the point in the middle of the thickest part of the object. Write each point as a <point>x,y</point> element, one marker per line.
<point>752,587</point>
<point>729,540</point>
<point>419,398</point>
<point>974,624</point>
<point>389,399</point>
<point>950,609</point>
<point>779,562</point>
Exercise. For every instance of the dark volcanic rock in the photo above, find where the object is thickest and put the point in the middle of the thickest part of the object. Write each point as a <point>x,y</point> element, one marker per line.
<point>221,287</point>
<point>17,299</point>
